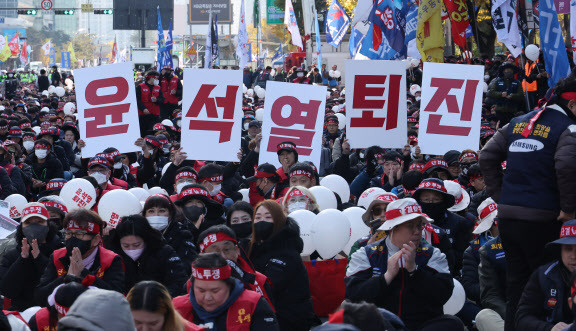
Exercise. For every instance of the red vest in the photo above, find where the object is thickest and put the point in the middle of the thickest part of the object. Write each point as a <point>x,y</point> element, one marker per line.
<point>119,183</point>
<point>106,258</point>
<point>43,320</point>
<point>219,197</point>
<point>9,167</point>
<point>146,95</point>
<point>167,88</point>
<point>239,316</point>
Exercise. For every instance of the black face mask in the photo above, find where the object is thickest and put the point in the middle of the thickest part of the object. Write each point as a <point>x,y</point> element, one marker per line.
<point>35,231</point>
<point>242,230</point>
<point>436,211</point>
<point>56,221</point>
<point>508,75</point>
<point>263,230</point>
<point>259,190</point>
<point>2,157</point>
<point>466,166</point>
<point>83,245</point>
<point>192,213</point>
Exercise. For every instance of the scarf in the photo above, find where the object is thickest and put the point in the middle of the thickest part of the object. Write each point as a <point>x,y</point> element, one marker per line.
<point>208,317</point>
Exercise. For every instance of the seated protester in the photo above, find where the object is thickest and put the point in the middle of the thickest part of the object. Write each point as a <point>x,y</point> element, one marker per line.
<point>72,136</point>
<point>152,309</point>
<point>99,168</point>
<point>16,151</point>
<point>162,216</point>
<point>436,168</point>
<point>151,161</point>
<point>331,133</point>
<point>199,209</point>
<point>22,267</point>
<point>59,303</point>
<point>378,272</point>
<point>275,249</point>
<point>179,162</point>
<point>121,175</point>
<point>287,156</point>
<point>543,302</point>
<point>252,128</point>
<point>45,166</point>
<point>302,174</point>
<point>435,200</point>
<point>461,200</point>
<point>239,219</point>
<point>392,172</point>
<point>146,256</point>
<point>410,181</point>
<point>466,159</point>
<point>299,198</point>
<point>184,176</point>
<point>265,184</point>
<point>14,172</point>
<point>56,209</point>
<point>211,176</point>
<point>373,168</point>
<point>218,301</point>
<point>51,135</point>
<point>222,240</point>
<point>477,185</point>
<point>362,316</point>
<point>452,161</point>
<point>83,257</point>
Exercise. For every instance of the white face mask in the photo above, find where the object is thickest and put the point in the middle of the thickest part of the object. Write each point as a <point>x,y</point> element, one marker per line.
<point>246,126</point>
<point>178,122</point>
<point>297,206</point>
<point>100,178</point>
<point>156,82</point>
<point>118,165</point>
<point>300,74</point>
<point>486,77</point>
<point>134,253</point>
<point>41,153</point>
<point>417,98</point>
<point>181,185</point>
<point>28,145</point>
<point>158,222</point>
<point>215,189</point>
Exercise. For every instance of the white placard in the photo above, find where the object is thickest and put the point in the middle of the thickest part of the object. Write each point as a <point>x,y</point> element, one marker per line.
<point>293,112</point>
<point>212,114</point>
<point>376,104</point>
<point>107,110</point>
<point>451,107</point>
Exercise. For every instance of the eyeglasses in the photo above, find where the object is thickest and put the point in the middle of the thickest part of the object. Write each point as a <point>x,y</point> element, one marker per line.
<point>79,235</point>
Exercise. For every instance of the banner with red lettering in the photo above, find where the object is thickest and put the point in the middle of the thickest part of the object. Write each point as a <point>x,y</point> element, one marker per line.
<point>376,104</point>
<point>451,107</point>
<point>107,110</point>
<point>293,112</point>
<point>212,114</point>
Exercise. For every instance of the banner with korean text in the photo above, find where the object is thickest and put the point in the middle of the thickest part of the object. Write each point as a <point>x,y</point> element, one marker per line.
<point>451,107</point>
<point>376,104</point>
<point>107,111</point>
<point>293,112</point>
<point>212,114</point>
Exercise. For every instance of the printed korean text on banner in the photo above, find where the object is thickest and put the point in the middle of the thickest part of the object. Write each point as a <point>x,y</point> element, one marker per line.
<point>429,36</point>
<point>386,25</point>
<point>274,14</point>
<point>52,57</point>
<point>458,12</point>
<point>451,107</point>
<point>293,112</point>
<point>376,110</point>
<point>337,24</point>
<point>168,49</point>
<point>107,111</point>
<point>505,22</point>
<point>555,57</point>
<point>212,114</point>
<point>161,44</point>
<point>65,56</point>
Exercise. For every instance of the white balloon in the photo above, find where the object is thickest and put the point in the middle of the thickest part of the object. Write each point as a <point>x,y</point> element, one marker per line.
<point>415,88</point>
<point>261,93</point>
<point>305,218</point>
<point>415,63</point>
<point>116,204</point>
<point>157,190</point>
<point>78,193</point>
<point>51,89</point>
<point>485,87</point>
<point>250,92</point>
<point>357,226</point>
<point>330,232</point>
<point>338,185</point>
<point>407,64</point>
<point>532,52</point>
<point>367,196</point>
<point>341,121</point>
<point>140,193</point>
<point>337,74</point>
<point>60,91</point>
<point>259,114</point>
<point>44,110</point>
<point>69,108</point>
<point>46,93</point>
<point>167,123</point>
<point>324,197</point>
<point>244,89</point>
<point>257,88</point>
<point>331,73</point>
<point>245,196</point>
<point>456,301</point>
<point>335,109</point>
<point>17,203</point>
<point>273,72</point>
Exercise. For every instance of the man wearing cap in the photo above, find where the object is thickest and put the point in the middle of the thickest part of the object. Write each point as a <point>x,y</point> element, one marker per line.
<point>171,90</point>
<point>537,189</point>
<point>332,132</point>
<point>380,272</point>
<point>151,161</point>
<point>45,166</point>
<point>287,156</point>
<point>436,168</point>
<point>99,168</point>
<point>211,177</point>
<point>374,157</point>
<point>266,184</point>
<point>264,77</point>
<point>56,209</point>
<point>149,98</point>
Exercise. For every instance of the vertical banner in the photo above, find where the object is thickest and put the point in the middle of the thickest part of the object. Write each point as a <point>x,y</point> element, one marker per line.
<point>52,58</point>
<point>65,60</point>
<point>107,111</point>
<point>293,112</point>
<point>212,114</point>
<point>376,106</point>
<point>451,107</point>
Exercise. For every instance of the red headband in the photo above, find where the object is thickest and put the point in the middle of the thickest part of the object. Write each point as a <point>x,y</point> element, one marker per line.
<point>41,146</point>
<point>61,309</point>
<point>212,273</point>
<point>12,132</point>
<point>213,179</point>
<point>214,238</point>
<point>427,184</point>
<point>153,142</point>
<point>568,95</point>
<point>475,177</point>
<point>332,121</point>
<point>113,154</point>
<point>4,127</point>
<point>36,210</point>
<point>568,231</point>
<point>469,154</point>
<point>487,210</point>
<point>435,163</point>
<point>295,193</point>
<point>186,174</point>
<point>91,227</point>
<point>262,174</point>
<point>410,209</point>
<point>194,191</point>
<point>386,198</point>
<point>407,190</point>
<point>55,205</point>
<point>378,156</point>
<point>417,166</point>
<point>291,147</point>
<point>26,125</point>
<point>301,173</point>
<point>158,126</point>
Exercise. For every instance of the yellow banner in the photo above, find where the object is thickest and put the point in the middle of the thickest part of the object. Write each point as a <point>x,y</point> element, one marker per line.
<point>429,34</point>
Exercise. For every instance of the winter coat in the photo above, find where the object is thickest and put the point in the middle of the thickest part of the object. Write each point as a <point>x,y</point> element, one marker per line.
<point>514,89</point>
<point>459,231</point>
<point>180,238</point>
<point>6,186</point>
<point>17,178</point>
<point>492,275</point>
<point>50,169</point>
<point>470,279</point>
<point>278,258</point>
<point>68,151</point>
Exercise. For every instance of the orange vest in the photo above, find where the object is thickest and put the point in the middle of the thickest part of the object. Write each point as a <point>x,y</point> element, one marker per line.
<point>529,87</point>
<point>167,88</point>
<point>152,107</point>
<point>43,320</point>
<point>239,315</point>
<point>106,258</point>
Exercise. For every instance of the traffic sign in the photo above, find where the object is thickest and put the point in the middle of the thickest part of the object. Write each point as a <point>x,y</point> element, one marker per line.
<point>87,7</point>
<point>46,4</point>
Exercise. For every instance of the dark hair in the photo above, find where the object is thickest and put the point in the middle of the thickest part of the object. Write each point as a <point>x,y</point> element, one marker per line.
<point>217,229</point>
<point>210,170</point>
<point>474,171</point>
<point>154,297</point>
<point>82,217</point>
<point>365,316</point>
<point>278,217</point>
<point>42,141</point>
<point>68,293</point>
<point>42,72</point>
<point>411,179</point>
<point>160,202</point>
<point>212,261</point>
<point>137,225</point>
<point>302,166</point>
<point>239,206</point>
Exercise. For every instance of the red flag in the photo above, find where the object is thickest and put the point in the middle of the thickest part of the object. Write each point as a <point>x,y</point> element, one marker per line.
<point>458,12</point>
<point>24,53</point>
<point>114,52</point>
<point>14,45</point>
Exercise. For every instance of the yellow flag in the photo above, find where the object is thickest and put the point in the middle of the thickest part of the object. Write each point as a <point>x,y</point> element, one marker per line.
<point>429,34</point>
<point>5,52</point>
<point>73,58</point>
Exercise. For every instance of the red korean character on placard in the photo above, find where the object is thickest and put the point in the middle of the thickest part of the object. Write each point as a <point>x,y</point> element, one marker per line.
<point>98,126</point>
<point>370,99</point>
<point>203,100</point>
<point>300,113</point>
<point>444,85</point>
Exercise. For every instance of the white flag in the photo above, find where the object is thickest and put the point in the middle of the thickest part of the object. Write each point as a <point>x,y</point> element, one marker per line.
<point>208,53</point>
<point>505,23</point>
<point>46,48</point>
<point>241,51</point>
<point>573,26</point>
<point>290,21</point>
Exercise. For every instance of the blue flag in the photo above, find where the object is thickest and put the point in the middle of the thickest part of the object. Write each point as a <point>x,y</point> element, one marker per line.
<point>337,23</point>
<point>384,50</point>
<point>161,44</point>
<point>386,21</point>
<point>278,54</point>
<point>555,57</point>
<point>411,10</point>
<point>168,52</point>
<point>318,45</point>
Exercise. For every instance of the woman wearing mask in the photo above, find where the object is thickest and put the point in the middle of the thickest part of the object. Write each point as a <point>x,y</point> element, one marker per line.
<point>22,266</point>
<point>72,135</point>
<point>199,209</point>
<point>162,216</point>
<point>239,219</point>
<point>299,198</point>
<point>275,250</point>
<point>146,256</point>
